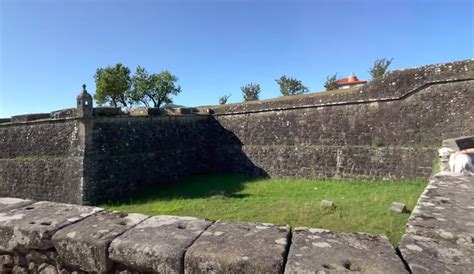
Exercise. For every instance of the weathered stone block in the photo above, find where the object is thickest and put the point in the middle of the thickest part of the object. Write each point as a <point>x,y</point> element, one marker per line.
<point>64,113</point>
<point>430,255</point>
<point>321,251</point>
<point>326,203</point>
<point>232,247</point>
<point>107,111</point>
<point>398,207</point>
<point>32,226</point>
<point>440,231</point>
<point>155,111</point>
<point>12,203</point>
<point>146,111</point>
<point>157,244</point>
<point>85,243</point>
<point>29,117</point>
<point>459,143</point>
<point>19,270</point>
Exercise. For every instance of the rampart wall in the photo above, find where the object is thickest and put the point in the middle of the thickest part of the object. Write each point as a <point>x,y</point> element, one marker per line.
<point>127,155</point>
<point>42,160</point>
<point>387,128</point>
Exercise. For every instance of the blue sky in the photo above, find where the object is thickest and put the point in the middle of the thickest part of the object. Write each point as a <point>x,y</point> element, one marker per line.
<point>50,48</point>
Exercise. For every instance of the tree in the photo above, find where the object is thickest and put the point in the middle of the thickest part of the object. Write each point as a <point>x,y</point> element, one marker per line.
<point>141,86</point>
<point>251,92</point>
<point>223,99</point>
<point>331,82</point>
<point>112,85</point>
<point>290,86</point>
<point>380,67</point>
<point>153,88</point>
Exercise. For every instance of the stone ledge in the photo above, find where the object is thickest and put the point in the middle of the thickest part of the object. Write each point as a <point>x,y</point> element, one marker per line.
<point>30,117</point>
<point>85,244</point>
<point>158,244</point>
<point>7,203</point>
<point>32,226</point>
<point>316,250</point>
<point>231,247</point>
<point>440,231</point>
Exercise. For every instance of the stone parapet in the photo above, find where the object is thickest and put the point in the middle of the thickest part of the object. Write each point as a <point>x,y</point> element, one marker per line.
<point>62,238</point>
<point>440,231</point>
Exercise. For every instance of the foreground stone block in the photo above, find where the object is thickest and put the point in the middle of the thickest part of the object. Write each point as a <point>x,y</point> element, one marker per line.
<point>398,207</point>
<point>321,251</point>
<point>436,255</point>
<point>84,244</point>
<point>32,226</point>
<point>157,244</point>
<point>12,203</point>
<point>232,247</point>
<point>326,203</point>
<point>440,231</point>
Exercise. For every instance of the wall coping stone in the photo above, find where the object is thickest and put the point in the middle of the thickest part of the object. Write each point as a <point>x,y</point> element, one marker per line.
<point>158,243</point>
<point>107,111</point>
<point>64,113</point>
<point>41,121</point>
<point>29,117</point>
<point>7,203</point>
<point>31,227</point>
<point>85,244</point>
<point>318,250</point>
<point>440,231</point>
<point>235,247</point>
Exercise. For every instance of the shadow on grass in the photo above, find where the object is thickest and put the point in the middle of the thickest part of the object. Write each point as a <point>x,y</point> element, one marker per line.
<point>194,188</point>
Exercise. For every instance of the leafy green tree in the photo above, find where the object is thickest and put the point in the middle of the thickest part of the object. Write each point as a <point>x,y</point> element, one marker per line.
<point>223,99</point>
<point>331,82</point>
<point>290,86</point>
<point>380,67</point>
<point>112,85</point>
<point>251,92</point>
<point>153,89</point>
<point>141,85</point>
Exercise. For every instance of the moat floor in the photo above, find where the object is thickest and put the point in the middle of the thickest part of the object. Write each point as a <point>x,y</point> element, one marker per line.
<point>360,205</point>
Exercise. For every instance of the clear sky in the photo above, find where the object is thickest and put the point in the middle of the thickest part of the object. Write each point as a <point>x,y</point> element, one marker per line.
<point>50,48</point>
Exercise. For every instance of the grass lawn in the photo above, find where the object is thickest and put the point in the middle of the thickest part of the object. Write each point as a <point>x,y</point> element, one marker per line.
<point>360,205</point>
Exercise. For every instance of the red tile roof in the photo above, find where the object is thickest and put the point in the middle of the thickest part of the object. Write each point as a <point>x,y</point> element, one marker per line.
<point>349,81</point>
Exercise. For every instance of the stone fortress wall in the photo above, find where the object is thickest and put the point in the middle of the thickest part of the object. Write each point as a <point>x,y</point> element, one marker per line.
<point>390,127</point>
<point>42,160</point>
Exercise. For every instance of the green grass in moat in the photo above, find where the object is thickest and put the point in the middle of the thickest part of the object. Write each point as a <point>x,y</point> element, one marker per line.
<point>361,205</point>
